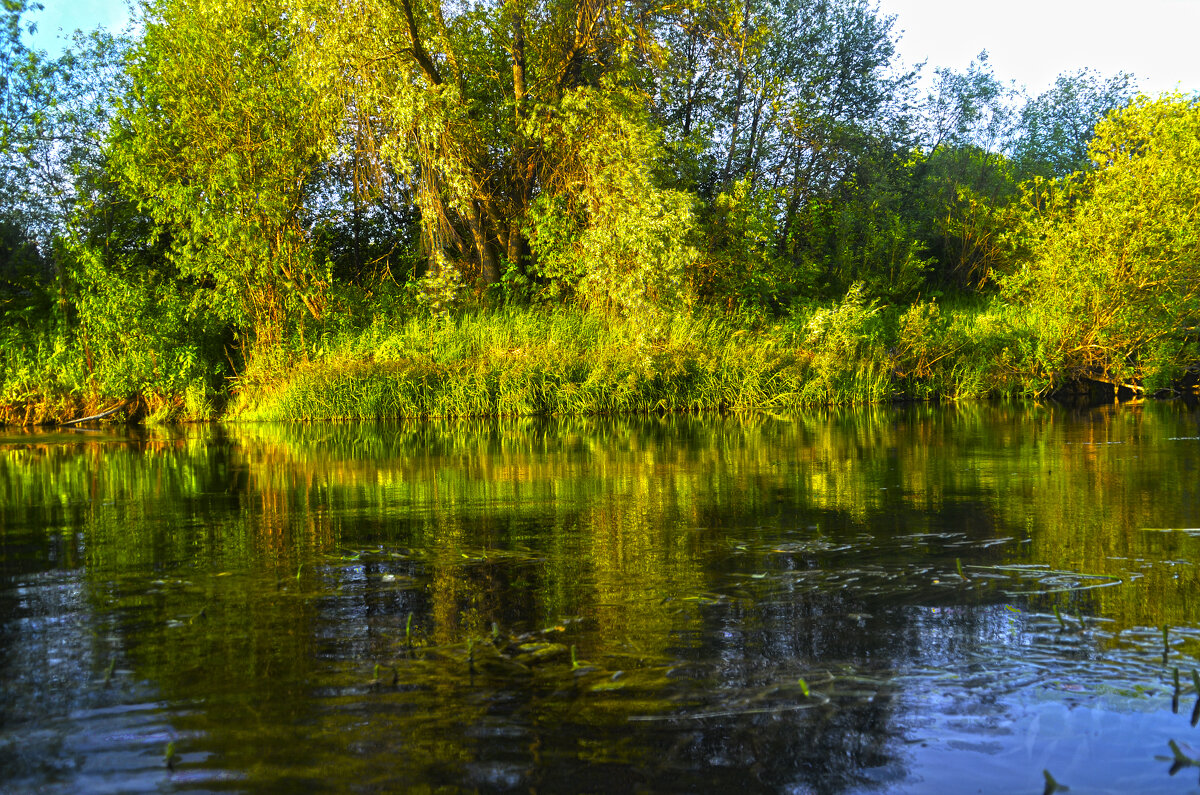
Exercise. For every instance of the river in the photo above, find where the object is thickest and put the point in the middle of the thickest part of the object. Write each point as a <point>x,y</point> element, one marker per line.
<point>987,597</point>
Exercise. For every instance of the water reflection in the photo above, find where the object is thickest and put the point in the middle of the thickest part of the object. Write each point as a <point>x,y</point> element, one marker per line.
<point>889,599</point>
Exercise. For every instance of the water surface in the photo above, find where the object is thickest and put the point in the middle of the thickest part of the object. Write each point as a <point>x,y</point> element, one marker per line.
<point>902,599</point>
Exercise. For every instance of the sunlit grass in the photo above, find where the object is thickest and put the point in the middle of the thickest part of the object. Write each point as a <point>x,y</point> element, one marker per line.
<point>525,361</point>
<point>519,361</point>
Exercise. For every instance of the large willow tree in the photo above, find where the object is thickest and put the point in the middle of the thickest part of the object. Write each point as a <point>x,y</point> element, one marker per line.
<point>521,129</point>
<point>517,129</point>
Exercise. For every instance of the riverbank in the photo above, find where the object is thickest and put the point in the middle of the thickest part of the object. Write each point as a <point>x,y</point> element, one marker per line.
<point>525,361</point>
<point>519,361</point>
<point>566,361</point>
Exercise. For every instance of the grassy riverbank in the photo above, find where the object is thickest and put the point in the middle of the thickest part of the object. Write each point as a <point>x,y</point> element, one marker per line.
<point>569,362</point>
<point>566,361</point>
<point>520,361</point>
<point>523,360</point>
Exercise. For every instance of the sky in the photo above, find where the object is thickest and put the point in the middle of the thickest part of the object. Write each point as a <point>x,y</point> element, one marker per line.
<point>1028,41</point>
<point>59,18</point>
<point>1033,41</point>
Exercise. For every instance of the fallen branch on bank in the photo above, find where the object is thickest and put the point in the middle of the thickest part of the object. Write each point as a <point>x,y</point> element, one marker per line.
<point>100,416</point>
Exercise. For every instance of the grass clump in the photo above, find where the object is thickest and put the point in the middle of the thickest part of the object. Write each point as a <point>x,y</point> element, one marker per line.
<point>523,361</point>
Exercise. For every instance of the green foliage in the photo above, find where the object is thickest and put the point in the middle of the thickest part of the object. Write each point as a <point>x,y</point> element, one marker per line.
<point>861,237</point>
<point>484,110</point>
<point>602,227</point>
<point>76,337</point>
<point>533,361</point>
<point>844,349</point>
<point>54,115</point>
<point>964,199</point>
<point>24,278</point>
<point>440,292</point>
<point>783,119</point>
<point>218,141</point>
<point>145,334</point>
<point>1057,125</point>
<point>962,182</point>
<point>741,263</point>
<point>964,350</point>
<point>969,108</point>
<point>979,146</point>
<point>1114,273</point>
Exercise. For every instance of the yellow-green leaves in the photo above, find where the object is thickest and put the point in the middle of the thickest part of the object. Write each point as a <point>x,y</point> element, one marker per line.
<point>220,141</point>
<point>1115,265</point>
<point>602,224</point>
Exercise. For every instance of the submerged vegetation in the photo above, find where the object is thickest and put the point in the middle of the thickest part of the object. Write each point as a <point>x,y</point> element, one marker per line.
<point>297,210</point>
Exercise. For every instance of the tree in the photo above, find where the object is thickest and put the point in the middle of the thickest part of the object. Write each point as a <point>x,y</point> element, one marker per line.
<point>980,144</point>
<point>1114,274</point>
<point>962,179</point>
<point>969,108</point>
<point>863,233</point>
<point>220,141</point>
<point>24,274</point>
<point>783,115</point>
<point>53,118</point>
<point>961,201</point>
<point>1056,126</point>
<point>13,55</point>
<point>492,114</point>
<point>601,223</point>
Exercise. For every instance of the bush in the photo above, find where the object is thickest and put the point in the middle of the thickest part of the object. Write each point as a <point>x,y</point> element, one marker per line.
<point>1114,274</point>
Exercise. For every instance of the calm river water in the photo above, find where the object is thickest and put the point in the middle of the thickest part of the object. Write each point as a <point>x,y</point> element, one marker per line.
<point>912,599</point>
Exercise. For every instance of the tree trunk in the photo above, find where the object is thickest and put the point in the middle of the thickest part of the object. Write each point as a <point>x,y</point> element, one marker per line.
<point>733,131</point>
<point>750,165</point>
<point>739,93</point>
<point>689,87</point>
<point>488,270</point>
<point>515,244</point>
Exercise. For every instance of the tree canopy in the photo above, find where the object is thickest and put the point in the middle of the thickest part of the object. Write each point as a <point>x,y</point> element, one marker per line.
<point>1115,261</point>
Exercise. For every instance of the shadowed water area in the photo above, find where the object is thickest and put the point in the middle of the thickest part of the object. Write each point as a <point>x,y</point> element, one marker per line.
<point>907,599</point>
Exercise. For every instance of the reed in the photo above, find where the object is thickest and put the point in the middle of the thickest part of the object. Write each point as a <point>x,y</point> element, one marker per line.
<point>515,361</point>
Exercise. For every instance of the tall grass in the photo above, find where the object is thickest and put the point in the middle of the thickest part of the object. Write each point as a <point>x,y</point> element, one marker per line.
<point>516,361</point>
<point>47,376</point>
<point>564,360</point>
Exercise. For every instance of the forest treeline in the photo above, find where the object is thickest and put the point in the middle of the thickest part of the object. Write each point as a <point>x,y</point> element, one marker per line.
<point>306,208</point>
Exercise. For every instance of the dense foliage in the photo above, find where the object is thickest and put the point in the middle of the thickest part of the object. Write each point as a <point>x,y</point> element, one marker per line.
<point>1115,261</point>
<point>240,192</point>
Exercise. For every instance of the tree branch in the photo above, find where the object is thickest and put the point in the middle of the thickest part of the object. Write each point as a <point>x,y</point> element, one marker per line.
<point>418,50</point>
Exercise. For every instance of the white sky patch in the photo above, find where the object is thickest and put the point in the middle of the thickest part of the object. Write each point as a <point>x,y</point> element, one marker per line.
<point>1034,41</point>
